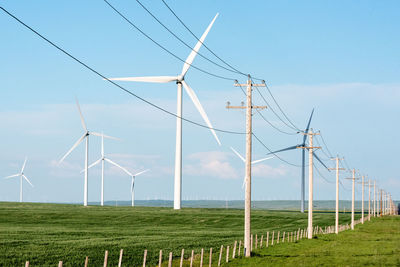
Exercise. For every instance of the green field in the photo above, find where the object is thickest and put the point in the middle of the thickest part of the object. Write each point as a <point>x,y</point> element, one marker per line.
<point>376,243</point>
<point>47,233</point>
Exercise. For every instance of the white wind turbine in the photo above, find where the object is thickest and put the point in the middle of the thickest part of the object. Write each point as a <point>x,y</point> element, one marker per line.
<point>21,175</point>
<point>180,80</point>
<point>85,135</point>
<point>253,162</point>
<point>133,176</point>
<point>102,159</point>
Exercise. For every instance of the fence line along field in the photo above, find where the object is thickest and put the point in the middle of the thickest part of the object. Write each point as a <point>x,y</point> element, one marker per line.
<point>44,234</point>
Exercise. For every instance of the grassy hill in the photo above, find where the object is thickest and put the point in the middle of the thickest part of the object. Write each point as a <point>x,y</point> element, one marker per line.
<point>376,243</point>
<point>47,233</point>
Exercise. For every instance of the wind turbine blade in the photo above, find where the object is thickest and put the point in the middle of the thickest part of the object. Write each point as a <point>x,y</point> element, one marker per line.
<point>93,164</point>
<point>102,145</point>
<point>115,164</point>
<point>80,114</point>
<point>284,149</point>
<point>26,178</point>
<point>73,147</point>
<point>193,54</point>
<point>320,161</point>
<point>23,165</point>
<point>199,107</point>
<point>260,160</point>
<point>139,173</point>
<point>12,176</point>
<point>308,127</point>
<point>244,182</point>
<point>103,135</point>
<point>237,153</point>
<point>148,79</point>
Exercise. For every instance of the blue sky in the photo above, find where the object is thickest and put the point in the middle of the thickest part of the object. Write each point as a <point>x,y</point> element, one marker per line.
<point>340,57</point>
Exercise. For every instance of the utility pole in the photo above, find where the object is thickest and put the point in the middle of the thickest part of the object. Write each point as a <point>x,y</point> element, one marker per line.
<point>362,199</point>
<point>249,113</point>
<point>375,199</point>
<point>381,203</point>
<point>337,192</point>
<point>369,199</point>
<point>352,199</point>
<point>310,181</point>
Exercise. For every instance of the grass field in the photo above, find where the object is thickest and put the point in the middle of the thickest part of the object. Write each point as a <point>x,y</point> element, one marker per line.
<point>47,233</point>
<point>376,243</point>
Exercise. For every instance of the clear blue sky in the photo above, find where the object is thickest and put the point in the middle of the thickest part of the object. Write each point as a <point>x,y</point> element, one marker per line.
<point>340,57</point>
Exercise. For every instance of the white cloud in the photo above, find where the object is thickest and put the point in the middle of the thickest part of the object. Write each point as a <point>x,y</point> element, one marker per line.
<point>212,164</point>
<point>267,171</point>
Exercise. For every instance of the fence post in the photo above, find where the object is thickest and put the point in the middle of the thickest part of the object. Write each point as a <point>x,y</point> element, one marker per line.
<point>160,259</point>
<point>251,243</point>
<point>267,239</point>
<point>105,258</point>
<point>283,238</point>
<point>60,264</point>
<point>27,264</point>
<point>210,261</point>
<point>256,241</point>
<point>240,244</point>
<point>227,254</point>
<point>261,242</point>
<point>234,250</point>
<point>170,260</point>
<point>191,259</point>
<point>144,258</point>
<point>220,255</point>
<point>201,257</point>
<point>182,255</point>
<point>272,241</point>
<point>86,261</point>
<point>277,239</point>
<point>120,257</point>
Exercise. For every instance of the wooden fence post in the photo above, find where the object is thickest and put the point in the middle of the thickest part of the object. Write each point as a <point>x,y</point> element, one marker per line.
<point>27,264</point>
<point>234,250</point>
<point>210,260</point>
<point>272,241</point>
<point>144,258</point>
<point>227,254</point>
<point>60,264</point>
<point>170,260</point>
<point>182,255</point>
<point>220,255</point>
<point>160,259</point>
<point>283,238</point>
<point>277,240</point>
<point>267,243</point>
<point>105,258</point>
<point>86,261</point>
<point>120,258</point>
<point>251,243</point>
<point>256,241</point>
<point>201,257</point>
<point>240,244</point>
<point>191,259</point>
<point>261,242</point>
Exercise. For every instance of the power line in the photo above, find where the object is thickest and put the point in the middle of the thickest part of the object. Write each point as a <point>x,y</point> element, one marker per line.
<point>262,116</point>
<point>187,28</point>
<point>183,42</point>
<point>323,151</point>
<point>327,149</point>
<point>284,114</point>
<point>322,176</point>
<point>162,47</point>
<point>113,83</point>
<point>271,152</point>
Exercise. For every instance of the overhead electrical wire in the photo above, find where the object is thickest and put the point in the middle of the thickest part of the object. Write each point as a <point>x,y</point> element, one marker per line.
<point>112,82</point>
<point>327,148</point>
<point>183,42</point>
<point>198,39</point>
<point>164,48</point>
<point>320,174</point>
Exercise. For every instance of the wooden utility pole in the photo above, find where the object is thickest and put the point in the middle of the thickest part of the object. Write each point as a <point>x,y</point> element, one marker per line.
<point>375,207</point>
<point>352,199</point>
<point>369,200</point>
<point>337,192</point>
<point>249,113</point>
<point>310,181</point>
<point>381,202</point>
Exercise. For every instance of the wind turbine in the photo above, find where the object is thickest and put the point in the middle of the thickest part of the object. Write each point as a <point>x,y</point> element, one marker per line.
<point>21,175</point>
<point>84,136</point>
<point>244,160</point>
<point>302,146</point>
<point>180,81</point>
<point>102,159</point>
<point>133,176</point>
